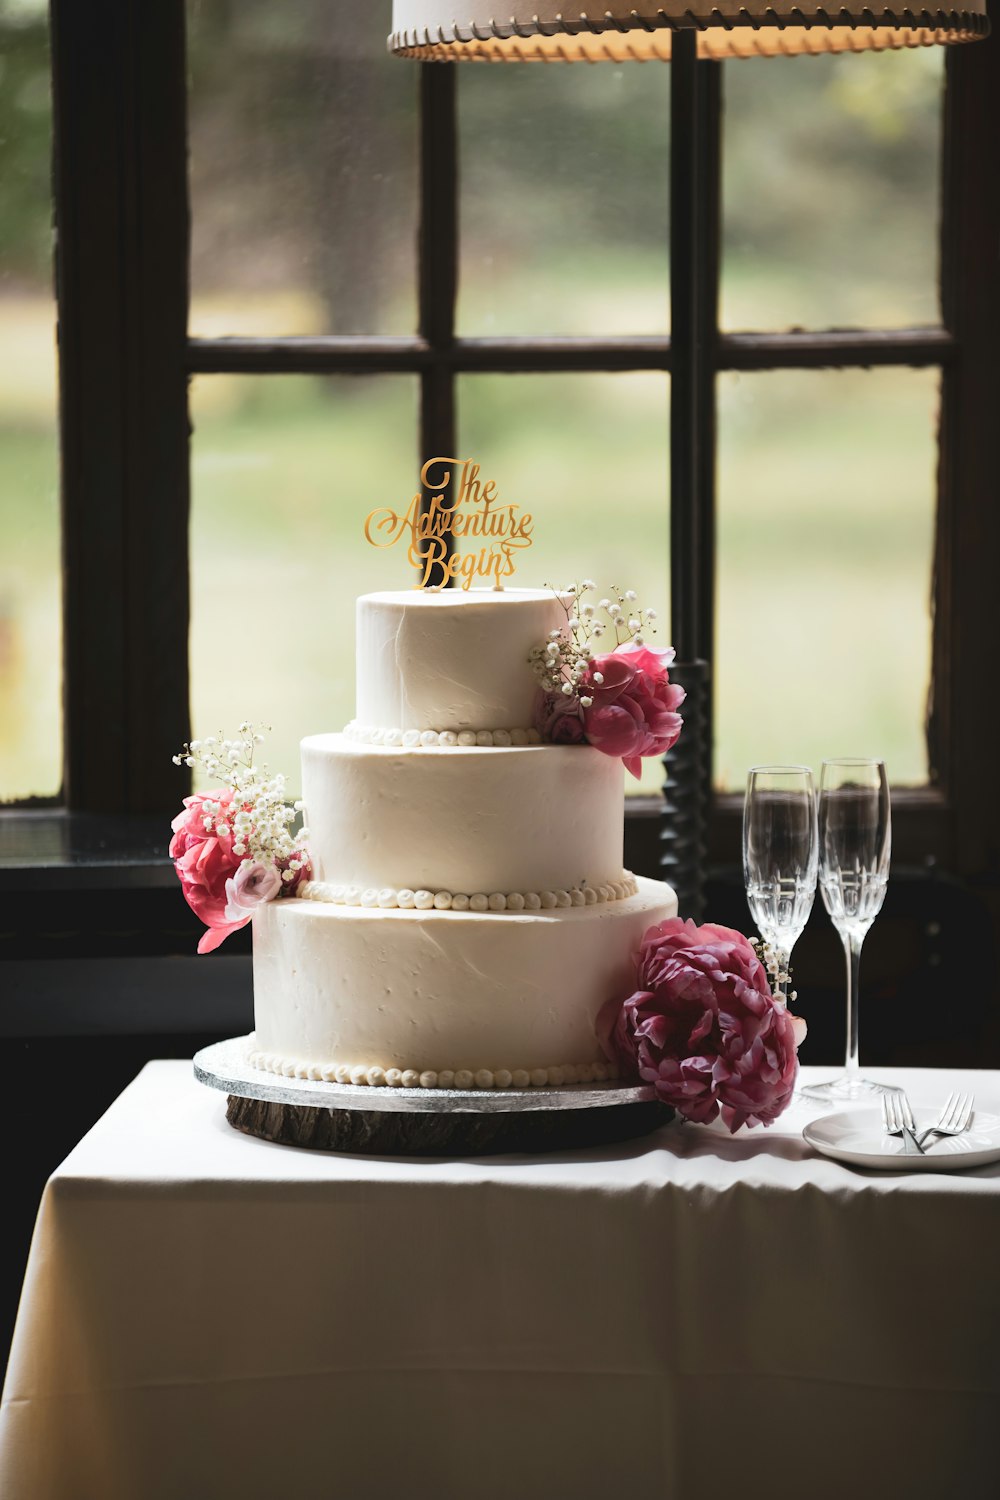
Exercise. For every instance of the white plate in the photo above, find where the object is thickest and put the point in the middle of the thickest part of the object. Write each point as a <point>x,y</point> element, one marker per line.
<point>856,1136</point>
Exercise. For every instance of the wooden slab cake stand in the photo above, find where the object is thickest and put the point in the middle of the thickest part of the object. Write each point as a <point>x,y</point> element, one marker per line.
<point>423,1122</point>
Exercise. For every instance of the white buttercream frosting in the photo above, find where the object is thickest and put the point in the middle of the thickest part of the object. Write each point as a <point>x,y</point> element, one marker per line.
<point>497,901</point>
<point>432,1078</point>
<point>451,660</point>
<point>415,739</point>
<point>462,819</point>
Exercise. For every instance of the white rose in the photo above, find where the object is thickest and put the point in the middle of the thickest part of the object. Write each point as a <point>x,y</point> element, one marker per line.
<point>252,885</point>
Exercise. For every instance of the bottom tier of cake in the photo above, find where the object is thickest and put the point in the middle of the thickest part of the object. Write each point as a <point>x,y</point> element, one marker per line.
<point>443,998</point>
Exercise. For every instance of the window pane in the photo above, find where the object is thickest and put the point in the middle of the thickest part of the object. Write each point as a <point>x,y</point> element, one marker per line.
<point>30,606</point>
<point>284,471</point>
<point>831,191</point>
<point>303,169</point>
<point>826,521</point>
<point>564,198</point>
<point>587,455</point>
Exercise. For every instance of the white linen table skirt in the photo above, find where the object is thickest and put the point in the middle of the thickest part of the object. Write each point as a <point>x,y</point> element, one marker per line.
<point>692,1314</point>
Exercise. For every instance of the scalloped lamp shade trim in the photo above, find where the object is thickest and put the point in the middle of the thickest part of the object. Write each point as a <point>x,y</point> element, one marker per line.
<point>429,31</point>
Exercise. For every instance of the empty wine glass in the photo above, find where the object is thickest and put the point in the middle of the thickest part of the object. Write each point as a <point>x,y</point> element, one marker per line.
<point>780,853</point>
<point>855,840</point>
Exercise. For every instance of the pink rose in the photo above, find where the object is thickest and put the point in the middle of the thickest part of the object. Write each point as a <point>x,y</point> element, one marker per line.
<point>634,708</point>
<point>254,883</point>
<point>204,861</point>
<point>558,718</point>
<point>704,1028</point>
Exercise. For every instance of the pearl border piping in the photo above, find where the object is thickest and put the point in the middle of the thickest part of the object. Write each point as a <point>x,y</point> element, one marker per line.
<point>429,1078</point>
<point>429,739</point>
<point>388,899</point>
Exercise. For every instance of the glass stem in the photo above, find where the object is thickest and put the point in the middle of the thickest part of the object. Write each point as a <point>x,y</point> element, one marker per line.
<point>784,957</point>
<point>852,951</point>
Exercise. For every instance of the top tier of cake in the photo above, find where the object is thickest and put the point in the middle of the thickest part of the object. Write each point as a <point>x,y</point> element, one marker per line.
<point>454,660</point>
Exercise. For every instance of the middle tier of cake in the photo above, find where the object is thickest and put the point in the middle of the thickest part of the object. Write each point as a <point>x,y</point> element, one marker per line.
<point>537,818</point>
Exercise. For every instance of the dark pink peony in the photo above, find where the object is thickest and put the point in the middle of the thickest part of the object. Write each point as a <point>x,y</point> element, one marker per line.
<point>204,861</point>
<point>704,1027</point>
<point>634,708</point>
<point>558,718</point>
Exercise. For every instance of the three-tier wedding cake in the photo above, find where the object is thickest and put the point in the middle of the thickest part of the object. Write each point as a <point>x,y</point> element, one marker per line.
<point>468,913</point>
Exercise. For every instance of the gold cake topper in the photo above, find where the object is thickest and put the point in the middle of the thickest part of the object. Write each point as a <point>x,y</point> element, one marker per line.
<point>434,522</point>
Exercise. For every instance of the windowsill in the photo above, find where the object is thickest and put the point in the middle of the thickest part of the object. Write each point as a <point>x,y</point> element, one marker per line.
<point>56,850</point>
<point>97,938</point>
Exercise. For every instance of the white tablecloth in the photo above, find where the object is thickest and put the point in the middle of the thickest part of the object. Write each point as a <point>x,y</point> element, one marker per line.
<point>690,1315</point>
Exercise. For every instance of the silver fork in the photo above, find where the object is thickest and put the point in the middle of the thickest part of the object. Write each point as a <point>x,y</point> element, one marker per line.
<point>954,1119</point>
<point>897,1119</point>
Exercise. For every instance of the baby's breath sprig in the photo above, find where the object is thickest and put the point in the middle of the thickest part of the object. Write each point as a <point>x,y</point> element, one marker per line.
<point>777,971</point>
<point>566,657</point>
<point>630,623</point>
<point>252,809</point>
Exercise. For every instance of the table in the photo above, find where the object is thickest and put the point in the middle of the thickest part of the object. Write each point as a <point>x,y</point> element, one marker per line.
<point>206,1314</point>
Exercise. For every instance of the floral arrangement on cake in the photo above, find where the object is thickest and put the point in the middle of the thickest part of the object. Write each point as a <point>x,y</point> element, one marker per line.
<point>235,849</point>
<point>621,700</point>
<point>707,1025</point>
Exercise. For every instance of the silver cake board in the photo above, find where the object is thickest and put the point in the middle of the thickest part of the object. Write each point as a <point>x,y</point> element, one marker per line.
<point>361,1120</point>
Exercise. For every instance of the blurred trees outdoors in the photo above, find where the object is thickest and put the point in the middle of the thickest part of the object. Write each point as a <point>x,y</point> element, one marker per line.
<point>25,213</point>
<point>304,198</point>
<point>288,150</point>
<point>272,88</point>
<point>30,623</point>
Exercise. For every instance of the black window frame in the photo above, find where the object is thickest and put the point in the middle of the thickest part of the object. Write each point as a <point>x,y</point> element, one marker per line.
<point>121,204</point>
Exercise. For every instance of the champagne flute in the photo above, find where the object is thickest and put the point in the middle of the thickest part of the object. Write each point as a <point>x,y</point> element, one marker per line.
<point>780,854</point>
<point>855,843</point>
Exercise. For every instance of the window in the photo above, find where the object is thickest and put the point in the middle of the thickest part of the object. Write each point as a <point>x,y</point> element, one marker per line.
<point>532,336</point>
<point>30,623</point>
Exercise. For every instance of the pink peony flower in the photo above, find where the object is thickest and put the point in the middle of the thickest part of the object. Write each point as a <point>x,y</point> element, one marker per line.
<point>634,708</point>
<point>704,1028</point>
<point>558,718</point>
<point>254,883</point>
<point>204,861</point>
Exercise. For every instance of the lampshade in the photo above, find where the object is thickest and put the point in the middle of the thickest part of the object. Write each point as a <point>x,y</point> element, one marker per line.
<point>623,30</point>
